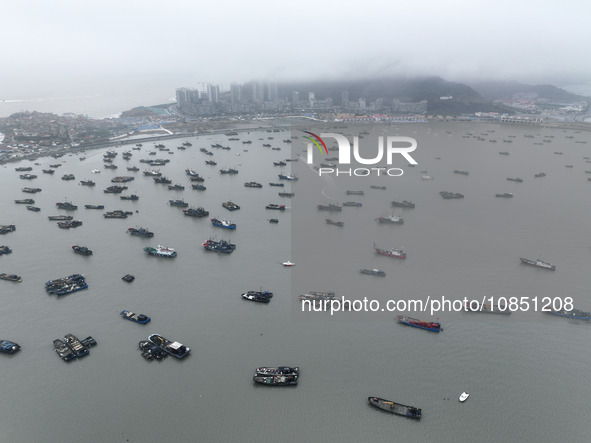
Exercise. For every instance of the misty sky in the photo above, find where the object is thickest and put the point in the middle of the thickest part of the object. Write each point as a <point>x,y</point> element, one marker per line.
<point>61,45</point>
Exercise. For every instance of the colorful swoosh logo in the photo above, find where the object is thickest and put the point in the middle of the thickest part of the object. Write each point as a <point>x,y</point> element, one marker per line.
<point>316,142</point>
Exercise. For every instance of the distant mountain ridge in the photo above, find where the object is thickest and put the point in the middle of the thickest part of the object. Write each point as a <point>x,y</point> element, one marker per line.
<point>495,90</point>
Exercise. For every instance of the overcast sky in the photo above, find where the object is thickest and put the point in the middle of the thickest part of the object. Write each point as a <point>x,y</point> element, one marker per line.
<point>79,45</point>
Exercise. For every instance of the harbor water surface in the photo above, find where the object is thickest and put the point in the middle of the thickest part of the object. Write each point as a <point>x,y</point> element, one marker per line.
<point>527,373</point>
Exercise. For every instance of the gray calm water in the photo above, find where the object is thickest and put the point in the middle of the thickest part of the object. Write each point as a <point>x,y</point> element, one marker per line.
<point>527,373</point>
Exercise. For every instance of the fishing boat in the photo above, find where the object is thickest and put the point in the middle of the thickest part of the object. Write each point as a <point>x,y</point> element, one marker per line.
<point>87,183</point>
<point>176,188</point>
<point>275,206</point>
<point>161,251</point>
<point>118,213</point>
<point>461,172</point>
<point>175,348</point>
<point>376,272</point>
<point>150,351</point>
<point>77,347</point>
<point>355,204</point>
<point>286,194</point>
<point>63,350</point>
<point>403,204</point>
<point>68,206</point>
<point>252,185</point>
<point>574,314</point>
<point>149,173</point>
<point>222,223</point>
<point>122,179</point>
<point>7,228</point>
<point>288,264</point>
<point>276,380</point>
<point>450,195</point>
<point>196,212</point>
<point>395,253</point>
<point>395,408</point>
<point>505,195</point>
<point>178,203</point>
<point>392,219</point>
<point>60,217</point>
<point>317,296</point>
<point>33,208</point>
<point>427,325</point>
<point>82,250</point>
<point>230,206</point>
<point>287,177</point>
<point>128,278</point>
<point>377,187</point>
<point>69,224</point>
<point>5,250</point>
<point>11,277</point>
<point>277,184</point>
<point>354,192</point>
<point>257,296</point>
<point>265,371</point>
<point>516,179</point>
<point>199,187</point>
<point>336,223</point>
<point>131,197</point>
<point>538,263</point>
<point>330,207</point>
<point>25,201</point>
<point>94,206</point>
<point>140,232</point>
<point>31,190</point>
<point>9,347</point>
<point>222,246</point>
<point>540,174</point>
<point>138,318</point>
<point>67,285</point>
<point>114,189</point>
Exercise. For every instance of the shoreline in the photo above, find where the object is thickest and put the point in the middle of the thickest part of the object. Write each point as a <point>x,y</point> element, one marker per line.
<point>576,125</point>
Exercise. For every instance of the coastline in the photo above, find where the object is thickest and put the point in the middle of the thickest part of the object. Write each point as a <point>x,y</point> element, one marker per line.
<point>581,125</point>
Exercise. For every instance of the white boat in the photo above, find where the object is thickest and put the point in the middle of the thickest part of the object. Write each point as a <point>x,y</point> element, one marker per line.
<point>464,396</point>
<point>96,171</point>
<point>427,177</point>
<point>288,263</point>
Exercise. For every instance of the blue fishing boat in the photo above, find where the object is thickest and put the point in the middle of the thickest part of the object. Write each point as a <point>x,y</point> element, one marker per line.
<point>221,223</point>
<point>138,318</point>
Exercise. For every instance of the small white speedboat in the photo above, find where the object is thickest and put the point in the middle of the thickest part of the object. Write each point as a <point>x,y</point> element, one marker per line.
<point>464,396</point>
<point>288,263</point>
<point>96,171</point>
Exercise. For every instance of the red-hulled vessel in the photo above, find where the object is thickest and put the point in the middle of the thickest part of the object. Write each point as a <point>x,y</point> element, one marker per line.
<point>428,325</point>
<point>396,253</point>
